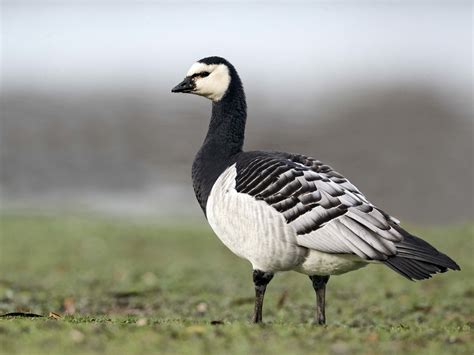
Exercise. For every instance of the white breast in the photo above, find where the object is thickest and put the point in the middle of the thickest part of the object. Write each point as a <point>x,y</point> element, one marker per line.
<point>250,228</point>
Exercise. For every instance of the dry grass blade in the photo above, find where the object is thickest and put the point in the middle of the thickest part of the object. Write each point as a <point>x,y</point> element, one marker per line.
<point>54,315</point>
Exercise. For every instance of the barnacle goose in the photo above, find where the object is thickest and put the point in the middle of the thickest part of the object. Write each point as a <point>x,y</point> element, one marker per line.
<point>283,211</point>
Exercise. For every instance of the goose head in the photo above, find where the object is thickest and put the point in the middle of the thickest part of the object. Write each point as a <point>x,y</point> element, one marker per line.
<point>209,77</point>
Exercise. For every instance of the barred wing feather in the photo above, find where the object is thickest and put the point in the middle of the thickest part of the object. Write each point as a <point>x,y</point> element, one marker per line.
<point>327,212</point>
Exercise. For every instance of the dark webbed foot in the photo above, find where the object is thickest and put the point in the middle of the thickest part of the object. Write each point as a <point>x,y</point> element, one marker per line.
<point>319,285</point>
<point>260,280</point>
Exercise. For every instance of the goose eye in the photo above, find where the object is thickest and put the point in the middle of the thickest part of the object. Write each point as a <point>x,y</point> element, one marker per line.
<point>204,74</point>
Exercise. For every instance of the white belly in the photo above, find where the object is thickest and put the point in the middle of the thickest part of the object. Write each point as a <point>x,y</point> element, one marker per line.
<point>252,229</point>
<point>320,263</point>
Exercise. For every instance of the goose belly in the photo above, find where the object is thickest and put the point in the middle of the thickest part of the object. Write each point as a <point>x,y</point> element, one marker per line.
<point>252,229</point>
<point>320,263</point>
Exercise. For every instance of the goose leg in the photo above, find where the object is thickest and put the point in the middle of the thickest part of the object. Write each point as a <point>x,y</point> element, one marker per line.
<point>319,285</point>
<point>260,280</point>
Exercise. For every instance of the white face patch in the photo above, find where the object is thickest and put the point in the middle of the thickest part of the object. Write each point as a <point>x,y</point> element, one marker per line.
<point>215,84</point>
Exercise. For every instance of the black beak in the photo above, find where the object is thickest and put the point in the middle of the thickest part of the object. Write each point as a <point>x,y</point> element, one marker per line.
<point>187,85</point>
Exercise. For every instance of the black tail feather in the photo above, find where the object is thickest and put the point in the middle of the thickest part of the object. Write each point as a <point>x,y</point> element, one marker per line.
<point>417,259</point>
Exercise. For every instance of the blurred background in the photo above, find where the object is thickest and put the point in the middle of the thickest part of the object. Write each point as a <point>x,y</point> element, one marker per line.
<point>381,91</point>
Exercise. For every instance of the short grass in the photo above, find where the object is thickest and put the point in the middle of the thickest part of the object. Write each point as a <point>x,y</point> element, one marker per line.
<point>124,287</point>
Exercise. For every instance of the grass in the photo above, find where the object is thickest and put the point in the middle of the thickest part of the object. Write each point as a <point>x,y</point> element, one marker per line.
<point>123,287</point>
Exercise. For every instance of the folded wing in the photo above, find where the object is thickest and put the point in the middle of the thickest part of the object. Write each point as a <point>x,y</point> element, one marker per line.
<point>327,212</point>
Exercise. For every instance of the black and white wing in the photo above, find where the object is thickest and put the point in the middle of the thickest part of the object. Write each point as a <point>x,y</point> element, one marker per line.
<point>327,212</point>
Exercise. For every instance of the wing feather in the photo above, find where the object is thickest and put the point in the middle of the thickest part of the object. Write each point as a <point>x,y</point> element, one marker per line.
<point>327,212</point>
<point>384,246</point>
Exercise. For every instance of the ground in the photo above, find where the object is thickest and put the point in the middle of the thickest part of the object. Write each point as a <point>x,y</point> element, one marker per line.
<point>122,287</point>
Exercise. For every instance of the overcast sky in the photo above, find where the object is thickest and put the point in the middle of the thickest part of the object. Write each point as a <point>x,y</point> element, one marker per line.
<point>148,43</point>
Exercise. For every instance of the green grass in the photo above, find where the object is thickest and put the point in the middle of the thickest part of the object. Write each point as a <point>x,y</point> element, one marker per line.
<point>144,288</point>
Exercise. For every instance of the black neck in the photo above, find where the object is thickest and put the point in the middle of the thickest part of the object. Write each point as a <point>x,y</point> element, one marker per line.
<point>224,140</point>
<point>225,136</point>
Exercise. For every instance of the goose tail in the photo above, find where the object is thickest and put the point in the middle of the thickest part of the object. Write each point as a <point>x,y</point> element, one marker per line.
<point>417,259</point>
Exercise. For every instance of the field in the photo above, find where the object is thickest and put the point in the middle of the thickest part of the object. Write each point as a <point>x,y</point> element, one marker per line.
<point>124,287</point>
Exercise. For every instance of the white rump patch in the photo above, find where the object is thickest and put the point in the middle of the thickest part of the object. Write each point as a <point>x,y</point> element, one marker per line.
<point>213,86</point>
